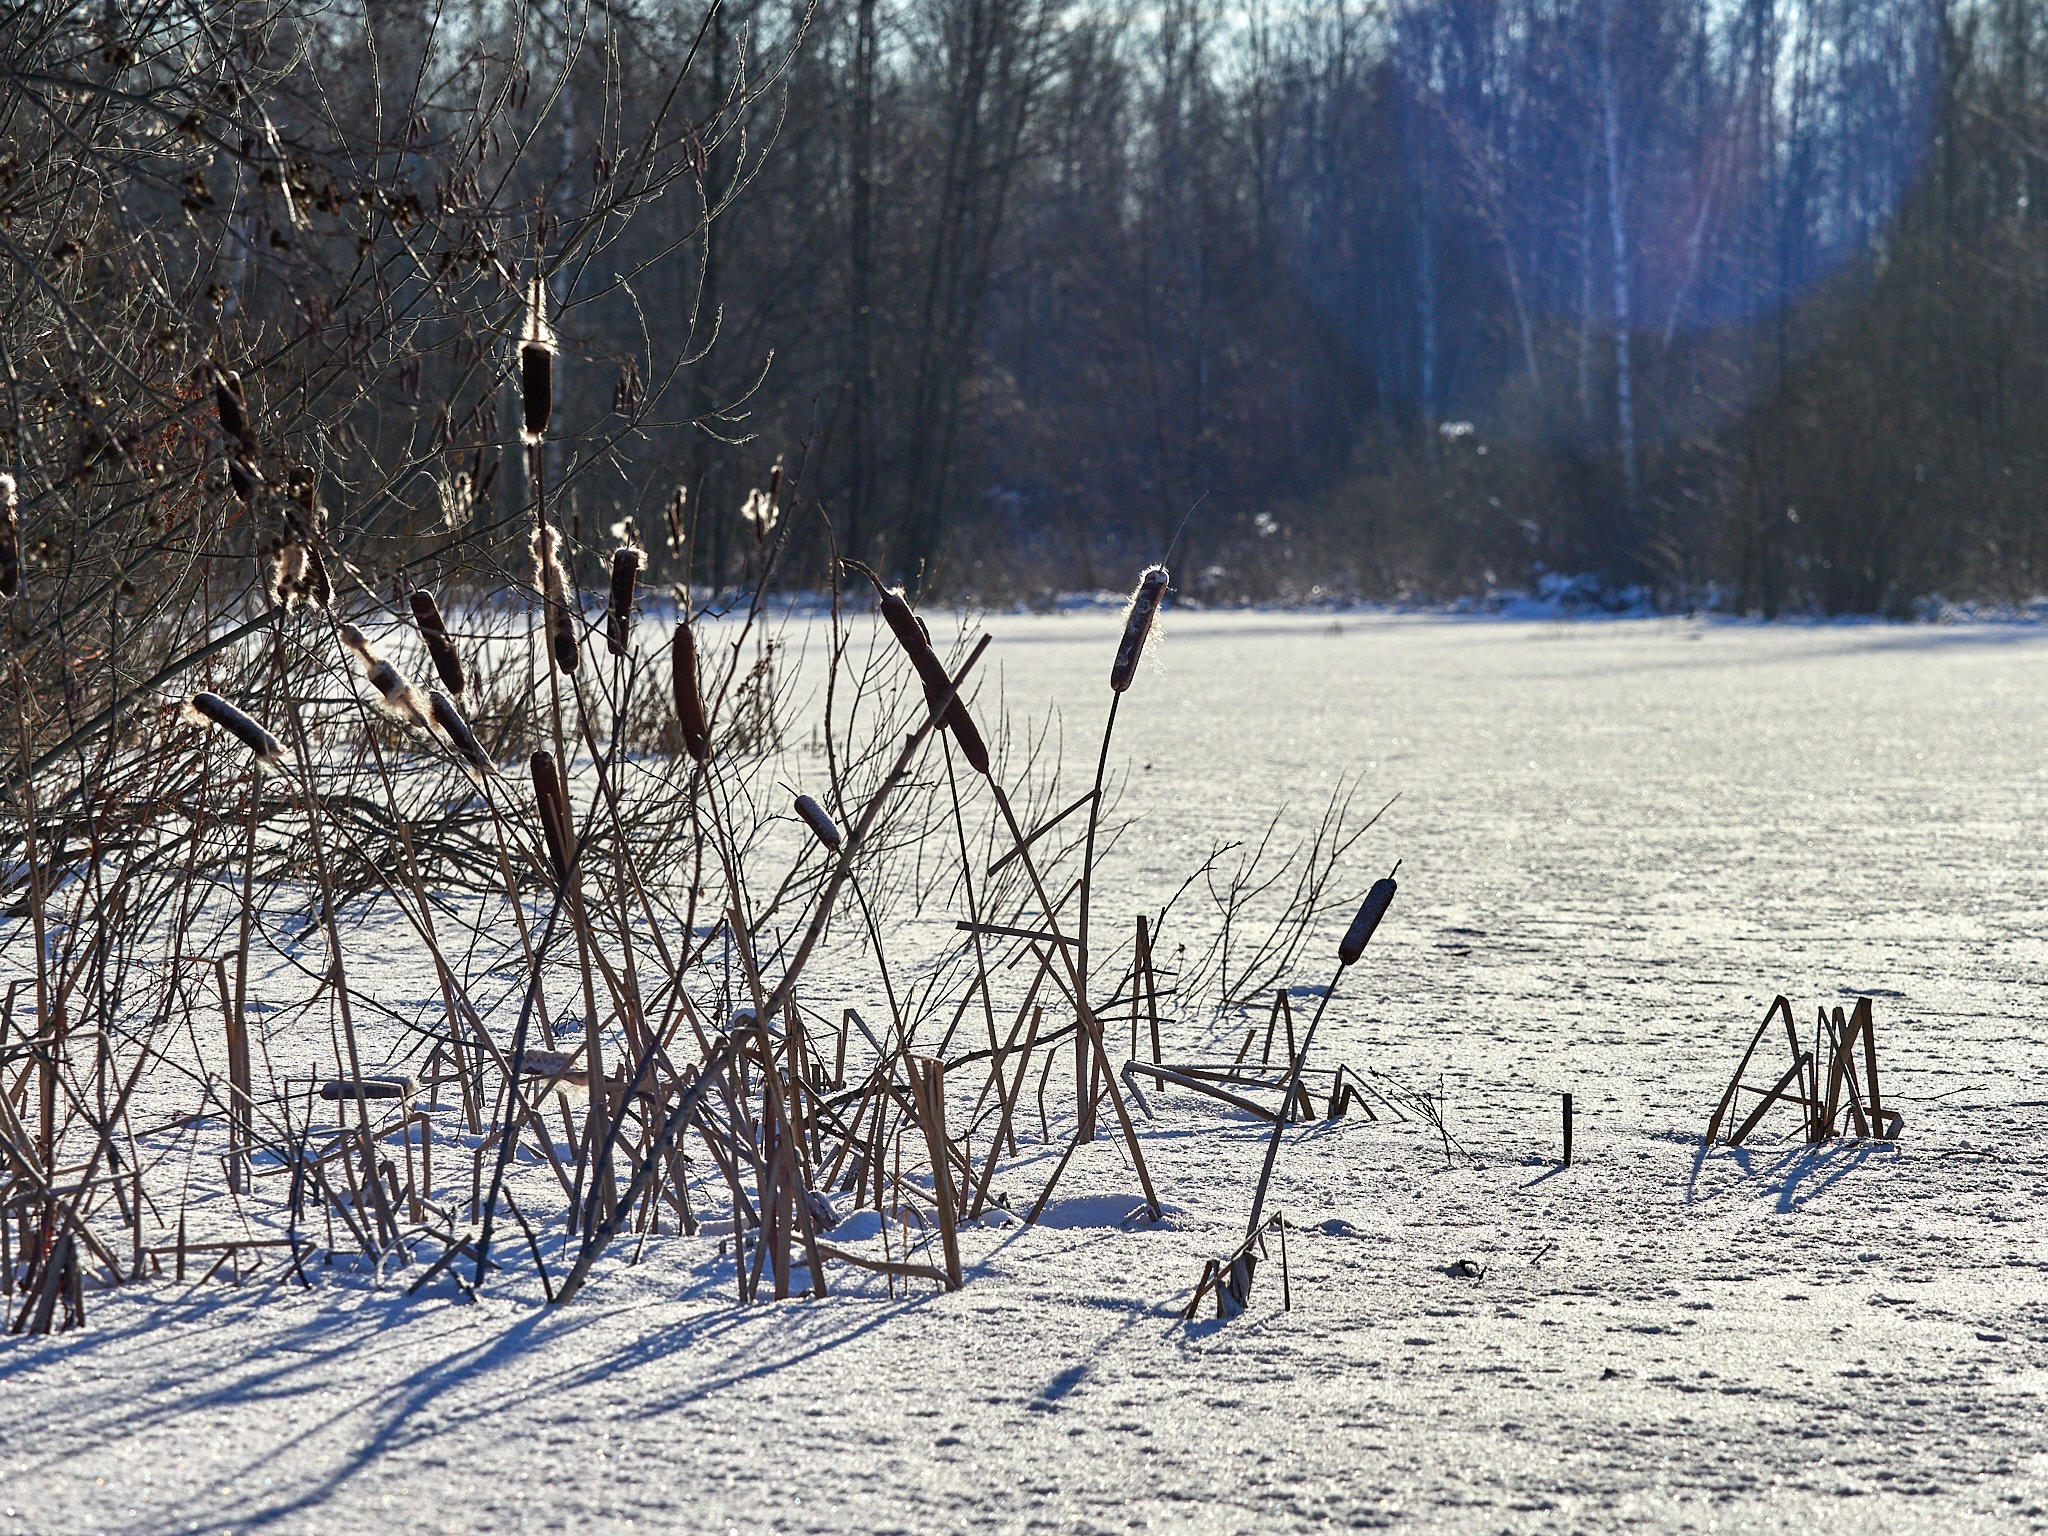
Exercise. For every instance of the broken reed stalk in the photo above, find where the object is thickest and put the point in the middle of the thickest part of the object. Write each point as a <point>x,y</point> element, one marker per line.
<point>1356,937</point>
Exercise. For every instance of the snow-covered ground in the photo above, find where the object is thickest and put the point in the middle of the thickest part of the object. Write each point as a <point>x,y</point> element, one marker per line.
<point>1619,841</point>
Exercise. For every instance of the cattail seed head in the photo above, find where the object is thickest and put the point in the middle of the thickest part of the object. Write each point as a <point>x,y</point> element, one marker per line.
<point>820,823</point>
<point>1377,900</point>
<point>696,727</point>
<point>426,614</point>
<point>536,364</point>
<point>553,581</point>
<point>915,639</point>
<point>553,802</point>
<point>396,695</point>
<point>212,709</point>
<point>1138,619</point>
<point>453,729</point>
<point>10,538</point>
<point>618,621</point>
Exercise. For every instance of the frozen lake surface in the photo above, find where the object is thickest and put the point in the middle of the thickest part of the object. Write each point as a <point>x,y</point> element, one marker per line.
<point>1619,841</point>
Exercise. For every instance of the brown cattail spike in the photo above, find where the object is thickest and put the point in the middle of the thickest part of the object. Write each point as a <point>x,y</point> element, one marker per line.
<point>689,700</point>
<point>212,709</point>
<point>1138,626</point>
<point>555,825</point>
<point>426,615</point>
<point>618,621</point>
<point>453,729</point>
<point>536,364</point>
<point>10,538</point>
<point>916,642</point>
<point>1377,900</point>
<point>820,823</point>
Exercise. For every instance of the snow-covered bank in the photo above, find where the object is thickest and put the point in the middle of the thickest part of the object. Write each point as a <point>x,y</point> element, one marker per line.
<point>1620,841</point>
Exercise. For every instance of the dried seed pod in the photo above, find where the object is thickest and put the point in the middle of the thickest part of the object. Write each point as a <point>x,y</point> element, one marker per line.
<point>820,823</point>
<point>396,695</point>
<point>453,729</point>
<point>212,709</point>
<point>916,642</point>
<point>555,824</point>
<point>1138,626</point>
<point>553,581</point>
<point>690,714</point>
<point>536,364</point>
<point>618,620</point>
<point>1377,900</point>
<point>426,615</point>
<point>10,538</point>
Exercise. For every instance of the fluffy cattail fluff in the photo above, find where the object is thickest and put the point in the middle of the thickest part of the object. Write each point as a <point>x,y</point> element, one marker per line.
<point>553,801</point>
<point>288,568</point>
<point>916,642</point>
<point>618,621</point>
<point>395,692</point>
<point>10,539</point>
<point>453,729</point>
<point>426,613</point>
<point>814,815</point>
<point>553,582</point>
<point>212,709</point>
<point>689,702</point>
<point>536,364</point>
<point>1138,626</point>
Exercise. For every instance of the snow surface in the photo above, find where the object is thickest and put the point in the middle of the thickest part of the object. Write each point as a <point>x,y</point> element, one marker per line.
<point>1619,841</point>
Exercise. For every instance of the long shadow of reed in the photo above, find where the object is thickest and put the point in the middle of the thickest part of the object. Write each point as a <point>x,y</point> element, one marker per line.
<point>1801,1172</point>
<point>303,1379</point>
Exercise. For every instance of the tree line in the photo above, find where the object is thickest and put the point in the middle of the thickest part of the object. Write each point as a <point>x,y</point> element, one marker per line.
<point>1735,304</point>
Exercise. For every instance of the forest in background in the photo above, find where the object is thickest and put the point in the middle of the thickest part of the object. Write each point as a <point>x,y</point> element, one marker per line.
<point>1737,304</point>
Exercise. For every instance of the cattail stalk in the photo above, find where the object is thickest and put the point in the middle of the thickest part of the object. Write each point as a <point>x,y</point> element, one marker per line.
<point>426,616</point>
<point>1370,911</point>
<point>1138,617</point>
<point>212,709</point>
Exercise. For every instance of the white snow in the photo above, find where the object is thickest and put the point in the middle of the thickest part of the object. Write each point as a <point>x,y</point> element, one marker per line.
<point>1619,840</point>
